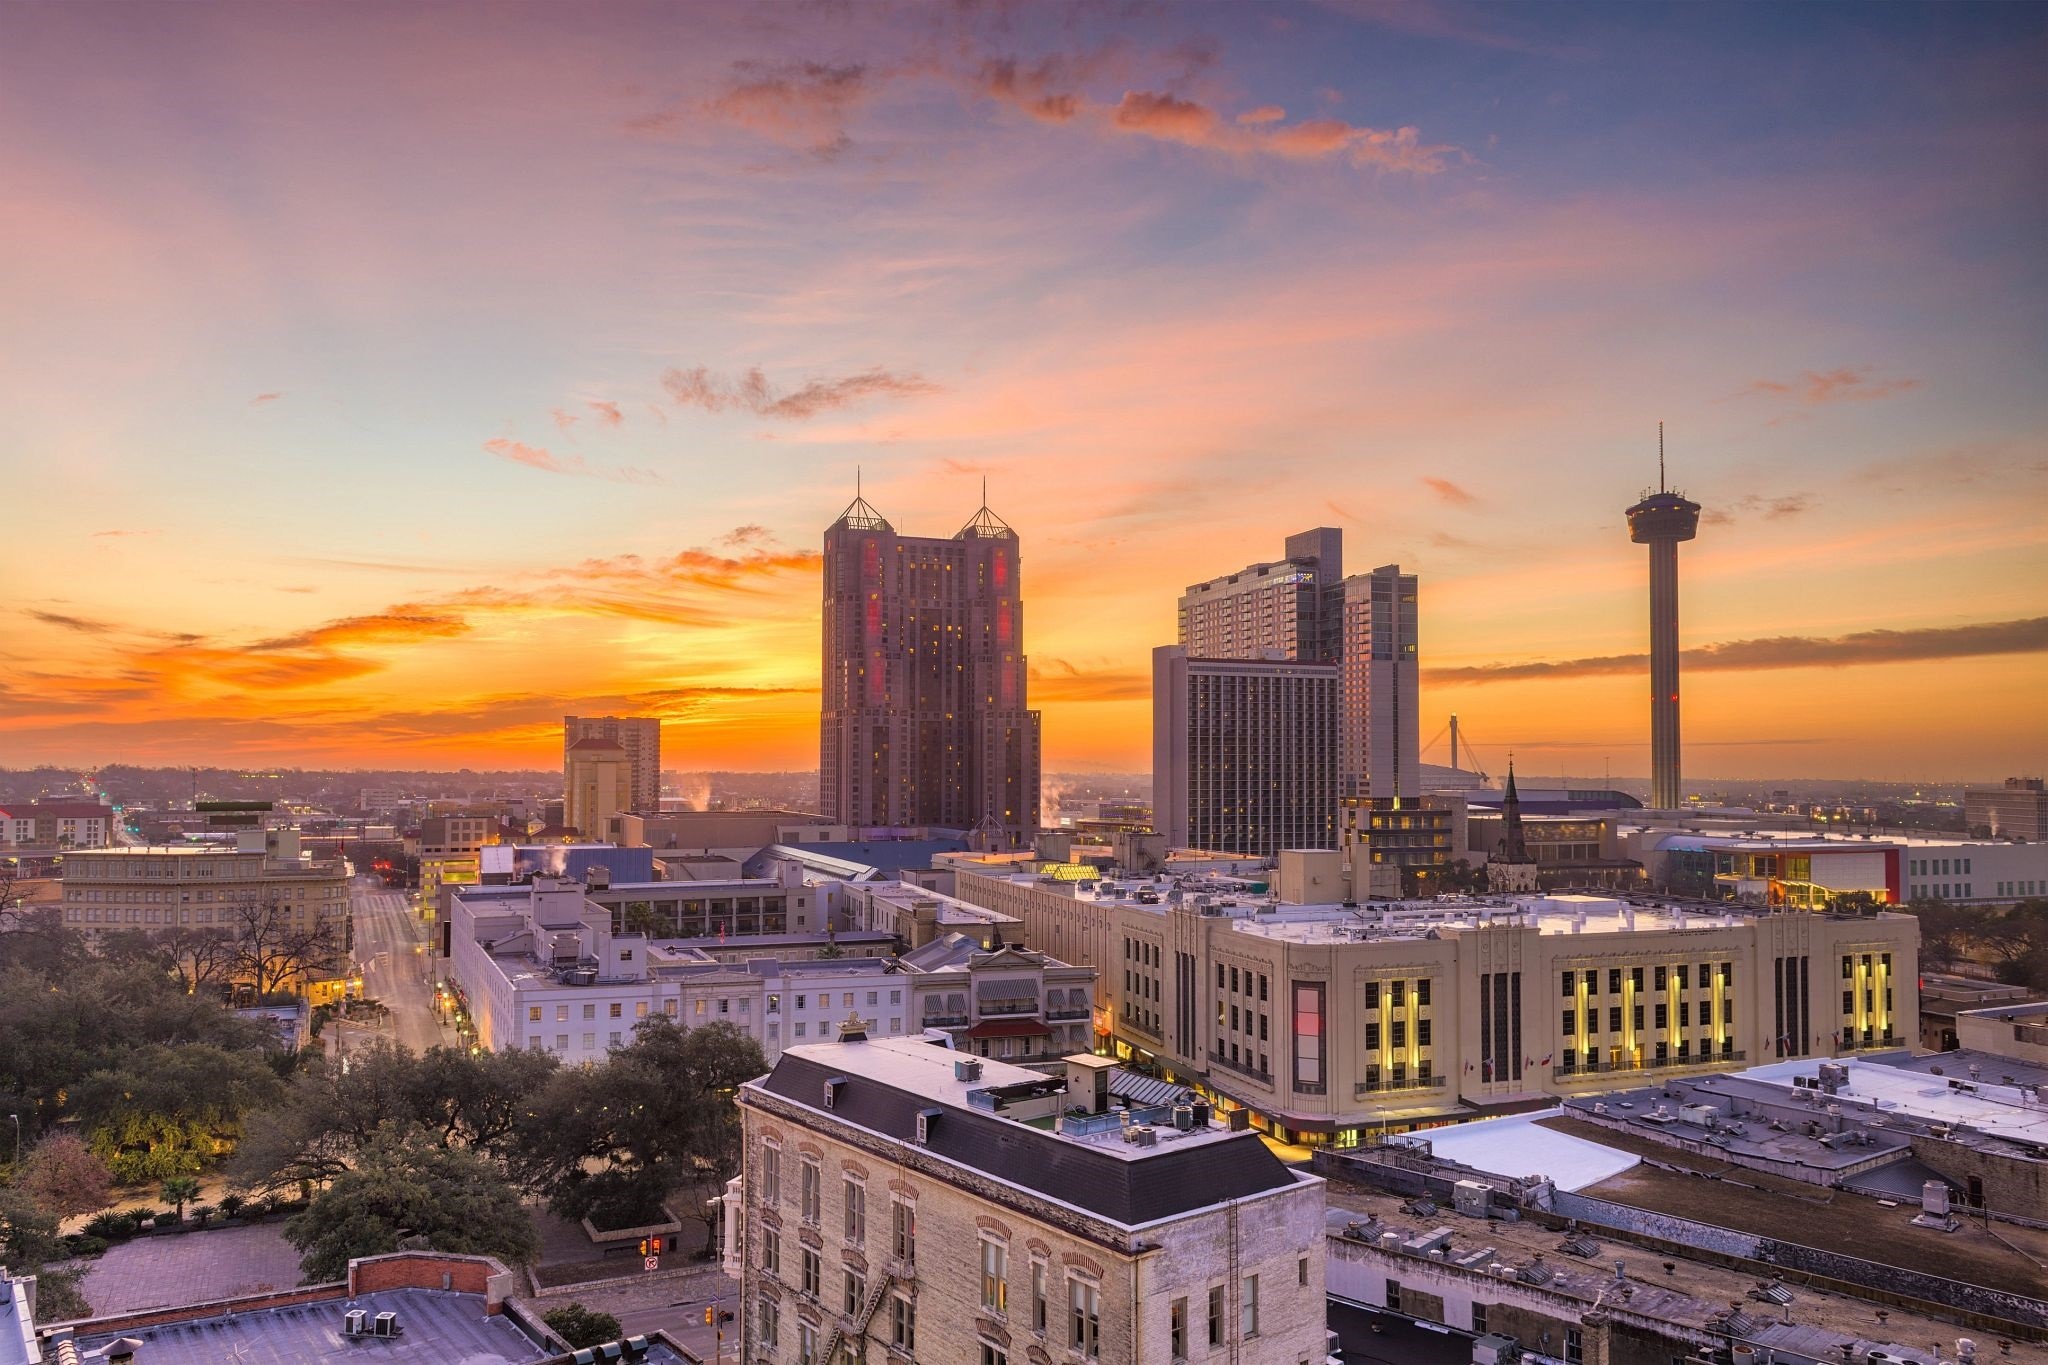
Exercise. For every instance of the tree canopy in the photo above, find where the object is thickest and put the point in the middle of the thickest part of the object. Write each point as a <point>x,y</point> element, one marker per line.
<point>404,1185</point>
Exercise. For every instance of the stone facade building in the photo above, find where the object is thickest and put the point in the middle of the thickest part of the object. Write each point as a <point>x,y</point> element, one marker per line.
<point>901,1202</point>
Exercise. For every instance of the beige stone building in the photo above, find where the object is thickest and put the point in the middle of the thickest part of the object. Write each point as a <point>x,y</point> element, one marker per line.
<point>639,736</point>
<point>205,886</point>
<point>902,1202</point>
<point>1330,1021</point>
<point>598,787</point>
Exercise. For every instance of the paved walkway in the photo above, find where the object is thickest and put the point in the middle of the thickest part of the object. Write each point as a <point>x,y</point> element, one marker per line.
<point>191,1267</point>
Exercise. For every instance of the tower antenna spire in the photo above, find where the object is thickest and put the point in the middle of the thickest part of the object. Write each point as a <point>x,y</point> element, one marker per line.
<point>1660,461</point>
<point>1660,457</point>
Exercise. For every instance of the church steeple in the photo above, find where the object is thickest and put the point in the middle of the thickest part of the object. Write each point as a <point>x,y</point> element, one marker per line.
<point>1514,848</point>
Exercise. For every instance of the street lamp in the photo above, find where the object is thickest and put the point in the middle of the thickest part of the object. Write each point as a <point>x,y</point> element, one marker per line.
<point>15,1169</point>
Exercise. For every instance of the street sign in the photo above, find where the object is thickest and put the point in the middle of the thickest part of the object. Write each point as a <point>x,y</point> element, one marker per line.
<point>652,1263</point>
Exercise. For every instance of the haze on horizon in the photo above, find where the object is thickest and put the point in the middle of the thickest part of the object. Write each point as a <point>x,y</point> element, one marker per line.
<point>389,382</point>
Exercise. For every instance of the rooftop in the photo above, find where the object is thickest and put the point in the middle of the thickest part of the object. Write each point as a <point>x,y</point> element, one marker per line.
<point>439,1327</point>
<point>892,1087</point>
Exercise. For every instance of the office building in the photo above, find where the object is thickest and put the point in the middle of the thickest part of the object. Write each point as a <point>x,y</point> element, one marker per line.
<point>640,737</point>
<point>1273,610</point>
<point>926,721</point>
<point>1661,520</point>
<point>211,886</point>
<point>1243,753</point>
<point>2018,810</point>
<point>451,849</point>
<point>1302,609</point>
<point>1329,1020</point>
<point>598,785</point>
<point>1381,732</point>
<point>903,1201</point>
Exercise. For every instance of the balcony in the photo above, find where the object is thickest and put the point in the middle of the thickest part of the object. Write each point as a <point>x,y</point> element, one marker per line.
<point>1070,1015</point>
<point>1392,1087</point>
<point>1263,1077</point>
<point>944,1021</point>
<point>1647,1064</point>
<point>994,1008</point>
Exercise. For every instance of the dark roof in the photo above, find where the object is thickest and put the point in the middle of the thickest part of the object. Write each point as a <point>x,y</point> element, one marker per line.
<point>439,1327</point>
<point>1161,1183</point>
<point>1008,1028</point>
<point>596,744</point>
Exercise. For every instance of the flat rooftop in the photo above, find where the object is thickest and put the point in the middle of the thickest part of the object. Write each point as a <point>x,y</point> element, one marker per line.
<point>1984,1104</point>
<point>439,1328</point>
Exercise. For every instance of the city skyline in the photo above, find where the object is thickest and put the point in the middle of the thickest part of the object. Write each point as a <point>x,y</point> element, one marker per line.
<point>361,431</point>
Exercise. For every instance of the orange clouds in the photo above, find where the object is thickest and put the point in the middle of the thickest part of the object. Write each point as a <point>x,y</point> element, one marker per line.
<point>1450,492</point>
<point>803,105</point>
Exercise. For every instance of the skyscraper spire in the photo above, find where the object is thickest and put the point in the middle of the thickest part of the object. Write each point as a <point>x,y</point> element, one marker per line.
<point>859,514</point>
<point>1660,458</point>
<point>1514,848</point>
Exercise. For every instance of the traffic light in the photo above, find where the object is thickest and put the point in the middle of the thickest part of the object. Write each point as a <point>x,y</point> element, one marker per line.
<point>646,1246</point>
<point>710,1315</point>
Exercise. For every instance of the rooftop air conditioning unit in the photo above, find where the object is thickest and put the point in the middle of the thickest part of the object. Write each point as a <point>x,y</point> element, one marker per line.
<point>385,1325</point>
<point>966,1069</point>
<point>352,1322</point>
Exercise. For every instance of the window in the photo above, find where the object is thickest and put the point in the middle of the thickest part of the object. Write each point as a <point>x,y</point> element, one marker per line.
<point>1571,980</point>
<point>1084,1318</point>
<point>1571,1022</point>
<point>1614,1018</point>
<point>1248,1307</point>
<point>561,1014</point>
<point>771,1252</point>
<point>856,1292</point>
<point>1422,1033</point>
<point>1178,1316</point>
<point>856,1212</point>
<point>903,1324</point>
<point>590,1010</point>
<point>771,1174</point>
<point>1574,1346</point>
<point>1372,1037</point>
<point>1038,1312</point>
<point>1397,993</point>
<point>811,1272</point>
<point>1479,1318</point>
<point>618,1009</point>
<point>1301,1272</point>
<point>1663,1015</point>
<point>903,1231</point>
<point>992,1354</point>
<point>806,1344</point>
<point>533,1014</point>
<point>1216,1315</point>
<point>770,1321</point>
<point>995,1282</point>
<point>812,1179</point>
<point>1372,995</point>
<point>1614,981</point>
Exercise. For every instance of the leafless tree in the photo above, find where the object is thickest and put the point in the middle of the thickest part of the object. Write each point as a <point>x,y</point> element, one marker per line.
<point>274,947</point>
<point>203,958</point>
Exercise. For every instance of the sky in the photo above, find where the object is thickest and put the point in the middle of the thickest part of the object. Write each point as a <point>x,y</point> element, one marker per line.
<point>387,381</point>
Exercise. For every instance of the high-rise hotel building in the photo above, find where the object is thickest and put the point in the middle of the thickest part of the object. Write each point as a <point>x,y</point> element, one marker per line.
<point>1232,704</point>
<point>925,717</point>
<point>639,736</point>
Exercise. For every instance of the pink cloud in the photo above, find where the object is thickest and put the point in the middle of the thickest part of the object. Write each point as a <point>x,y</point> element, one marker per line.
<point>536,457</point>
<point>608,414</point>
<point>750,391</point>
<point>564,419</point>
<point>1451,493</point>
<point>260,399</point>
<point>1814,387</point>
<point>1265,113</point>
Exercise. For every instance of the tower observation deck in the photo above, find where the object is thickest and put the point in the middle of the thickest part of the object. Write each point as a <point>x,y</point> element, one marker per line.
<point>1661,520</point>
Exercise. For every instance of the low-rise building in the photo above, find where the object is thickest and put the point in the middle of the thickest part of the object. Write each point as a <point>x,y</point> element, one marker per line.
<point>450,851</point>
<point>917,916</point>
<point>907,1202</point>
<point>1332,1020</point>
<point>216,886</point>
<point>56,825</point>
<point>1010,1003</point>
<point>2017,810</point>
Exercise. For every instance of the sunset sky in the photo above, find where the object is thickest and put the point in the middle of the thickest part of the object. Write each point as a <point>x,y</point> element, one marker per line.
<point>385,381</point>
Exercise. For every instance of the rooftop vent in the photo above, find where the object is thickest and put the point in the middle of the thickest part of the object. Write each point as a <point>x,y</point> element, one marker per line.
<point>966,1069</point>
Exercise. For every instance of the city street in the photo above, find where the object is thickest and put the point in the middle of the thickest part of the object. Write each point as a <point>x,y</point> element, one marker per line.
<point>390,943</point>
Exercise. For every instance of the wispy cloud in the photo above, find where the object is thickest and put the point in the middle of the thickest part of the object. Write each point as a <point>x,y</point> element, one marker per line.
<point>1451,493</point>
<point>262,398</point>
<point>750,391</point>
<point>538,457</point>
<point>122,532</point>
<point>564,419</point>
<point>1048,91</point>
<point>79,624</point>
<point>608,414</point>
<point>1061,680</point>
<point>1815,387</point>
<point>803,105</point>
<point>2025,636</point>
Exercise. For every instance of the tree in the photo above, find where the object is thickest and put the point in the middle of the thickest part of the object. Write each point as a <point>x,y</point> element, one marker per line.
<point>29,1245</point>
<point>276,946</point>
<point>178,1191</point>
<point>611,1143</point>
<point>405,1186</point>
<point>64,1178</point>
<point>1947,931</point>
<point>580,1326</point>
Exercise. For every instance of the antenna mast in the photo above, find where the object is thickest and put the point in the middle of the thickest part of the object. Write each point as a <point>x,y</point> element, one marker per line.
<point>1660,457</point>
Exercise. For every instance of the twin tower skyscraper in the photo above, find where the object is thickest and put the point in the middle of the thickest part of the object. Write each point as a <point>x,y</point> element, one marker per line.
<point>1292,688</point>
<point>925,717</point>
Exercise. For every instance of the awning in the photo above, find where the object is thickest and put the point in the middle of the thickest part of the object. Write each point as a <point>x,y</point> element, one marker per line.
<point>1009,1028</point>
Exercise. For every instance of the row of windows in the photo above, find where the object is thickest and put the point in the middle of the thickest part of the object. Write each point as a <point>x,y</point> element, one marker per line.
<point>1937,867</point>
<point>1397,1034</point>
<point>1397,993</point>
<point>1941,891</point>
<point>1570,1018</point>
<point>2022,888</point>
<point>1658,978</point>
